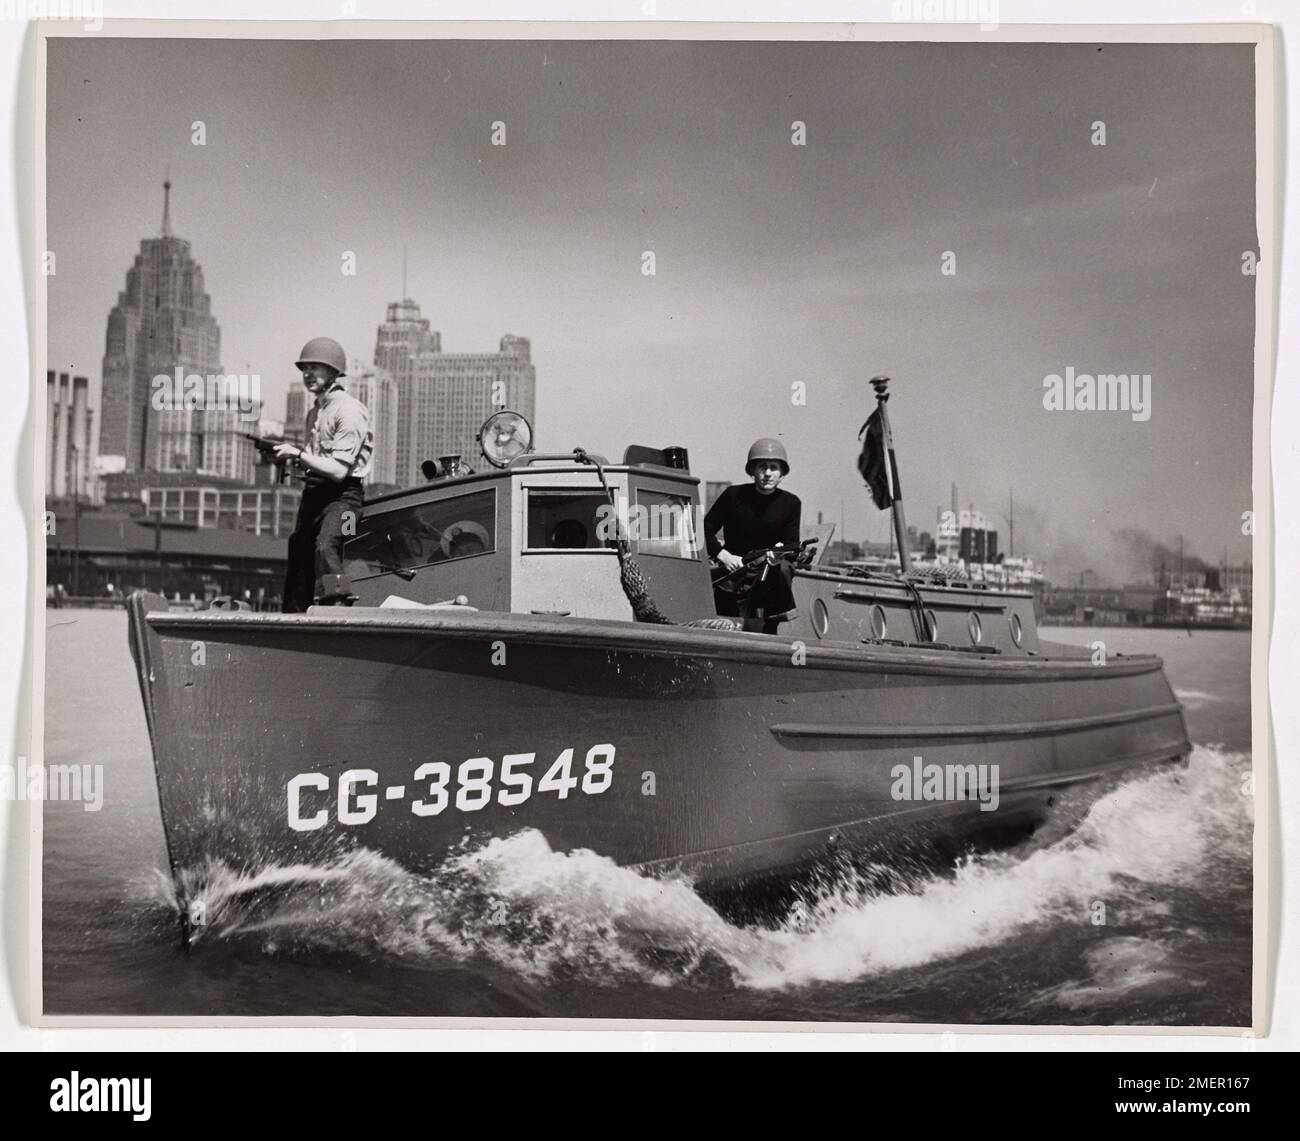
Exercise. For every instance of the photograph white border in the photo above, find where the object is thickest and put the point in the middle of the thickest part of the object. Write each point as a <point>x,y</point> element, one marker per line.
<point>1269,144</point>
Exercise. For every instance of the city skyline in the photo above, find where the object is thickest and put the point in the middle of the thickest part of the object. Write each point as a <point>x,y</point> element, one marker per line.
<point>775,264</point>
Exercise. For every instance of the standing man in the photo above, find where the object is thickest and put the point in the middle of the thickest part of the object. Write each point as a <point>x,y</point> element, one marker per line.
<point>334,461</point>
<point>755,517</point>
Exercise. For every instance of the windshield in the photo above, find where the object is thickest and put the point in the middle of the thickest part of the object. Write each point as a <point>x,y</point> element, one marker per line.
<point>664,524</point>
<point>566,521</point>
<point>425,534</point>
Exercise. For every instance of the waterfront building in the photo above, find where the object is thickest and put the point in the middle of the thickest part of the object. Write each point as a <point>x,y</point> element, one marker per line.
<point>183,498</point>
<point>261,510</point>
<point>111,554</point>
<point>71,458</point>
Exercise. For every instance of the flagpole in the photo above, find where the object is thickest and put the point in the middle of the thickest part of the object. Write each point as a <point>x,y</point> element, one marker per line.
<point>881,385</point>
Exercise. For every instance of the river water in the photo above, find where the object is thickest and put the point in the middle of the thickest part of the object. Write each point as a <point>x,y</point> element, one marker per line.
<point>1141,916</point>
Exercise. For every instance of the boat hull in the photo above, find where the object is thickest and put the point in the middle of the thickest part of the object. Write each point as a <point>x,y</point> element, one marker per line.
<point>730,756</point>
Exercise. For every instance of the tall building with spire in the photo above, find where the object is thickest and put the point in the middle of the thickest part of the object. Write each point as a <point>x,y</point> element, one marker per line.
<point>162,322</point>
<point>443,398</point>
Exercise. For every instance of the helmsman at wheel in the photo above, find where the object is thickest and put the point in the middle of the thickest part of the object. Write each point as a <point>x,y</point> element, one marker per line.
<point>334,462</point>
<point>754,517</point>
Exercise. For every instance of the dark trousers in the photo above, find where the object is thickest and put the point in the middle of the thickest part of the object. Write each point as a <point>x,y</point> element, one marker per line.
<point>762,602</point>
<point>316,545</point>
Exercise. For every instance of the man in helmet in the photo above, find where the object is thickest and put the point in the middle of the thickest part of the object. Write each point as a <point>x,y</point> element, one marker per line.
<point>752,517</point>
<point>333,462</point>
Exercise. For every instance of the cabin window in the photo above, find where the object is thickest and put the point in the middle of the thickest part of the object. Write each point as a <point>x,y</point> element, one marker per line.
<point>879,624</point>
<point>821,618</point>
<point>1017,631</point>
<point>569,521</point>
<point>423,534</point>
<point>663,524</point>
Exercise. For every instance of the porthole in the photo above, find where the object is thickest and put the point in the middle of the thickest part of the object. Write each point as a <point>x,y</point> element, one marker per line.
<point>879,627</point>
<point>821,618</point>
<point>1017,632</point>
<point>931,626</point>
<point>975,627</point>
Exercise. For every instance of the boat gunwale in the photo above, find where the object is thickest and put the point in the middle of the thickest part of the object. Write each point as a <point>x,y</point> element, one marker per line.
<point>699,642</point>
<point>918,579</point>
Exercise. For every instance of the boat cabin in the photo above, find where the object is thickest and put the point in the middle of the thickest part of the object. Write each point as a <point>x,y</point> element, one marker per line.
<point>539,536</point>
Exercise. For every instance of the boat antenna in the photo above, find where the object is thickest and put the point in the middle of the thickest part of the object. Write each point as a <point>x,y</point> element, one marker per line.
<point>881,385</point>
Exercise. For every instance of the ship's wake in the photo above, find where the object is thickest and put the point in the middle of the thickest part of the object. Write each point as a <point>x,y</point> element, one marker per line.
<point>544,914</point>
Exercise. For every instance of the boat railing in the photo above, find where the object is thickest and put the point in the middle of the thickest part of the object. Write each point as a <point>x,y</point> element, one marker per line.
<point>528,459</point>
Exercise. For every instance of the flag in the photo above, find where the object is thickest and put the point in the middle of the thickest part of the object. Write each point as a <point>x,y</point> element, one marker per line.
<point>872,461</point>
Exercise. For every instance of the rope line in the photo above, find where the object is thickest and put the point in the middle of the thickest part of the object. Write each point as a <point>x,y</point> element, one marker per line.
<point>630,576</point>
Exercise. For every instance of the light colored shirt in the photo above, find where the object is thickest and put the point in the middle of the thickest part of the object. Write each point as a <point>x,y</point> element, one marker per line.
<point>338,427</point>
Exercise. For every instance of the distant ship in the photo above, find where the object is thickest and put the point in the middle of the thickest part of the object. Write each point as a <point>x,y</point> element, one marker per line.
<point>1201,608</point>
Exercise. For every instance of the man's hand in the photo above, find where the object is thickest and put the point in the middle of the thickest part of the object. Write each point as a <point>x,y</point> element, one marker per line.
<point>287,451</point>
<point>729,561</point>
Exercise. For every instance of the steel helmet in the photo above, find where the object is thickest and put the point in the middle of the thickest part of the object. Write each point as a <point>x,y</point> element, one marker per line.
<point>324,350</point>
<point>768,449</point>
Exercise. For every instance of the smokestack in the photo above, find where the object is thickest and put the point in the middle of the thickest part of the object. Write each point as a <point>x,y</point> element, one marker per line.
<point>52,434</point>
<point>61,416</point>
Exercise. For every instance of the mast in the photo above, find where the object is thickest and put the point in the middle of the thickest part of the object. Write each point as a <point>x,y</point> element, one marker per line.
<point>881,385</point>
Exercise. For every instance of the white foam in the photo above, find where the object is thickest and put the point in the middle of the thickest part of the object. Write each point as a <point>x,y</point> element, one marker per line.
<point>534,910</point>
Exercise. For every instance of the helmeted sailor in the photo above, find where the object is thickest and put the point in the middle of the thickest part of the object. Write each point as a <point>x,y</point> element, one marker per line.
<point>752,517</point>
<point>334,462</point>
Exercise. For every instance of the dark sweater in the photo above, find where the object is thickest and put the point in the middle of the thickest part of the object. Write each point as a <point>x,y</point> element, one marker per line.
<point>751,521</point>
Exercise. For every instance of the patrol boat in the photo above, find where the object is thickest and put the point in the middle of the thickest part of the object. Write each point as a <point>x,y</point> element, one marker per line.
<point>509,665</point>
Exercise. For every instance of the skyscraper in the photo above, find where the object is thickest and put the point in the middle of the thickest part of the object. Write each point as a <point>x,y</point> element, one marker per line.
<point>295,414</point>
<point>377,390</point>
<point>443,398</point>
<point>162,323</point>
<point>405,341</point>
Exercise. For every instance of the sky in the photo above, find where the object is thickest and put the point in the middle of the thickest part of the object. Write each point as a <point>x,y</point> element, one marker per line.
<point>785,276</point>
